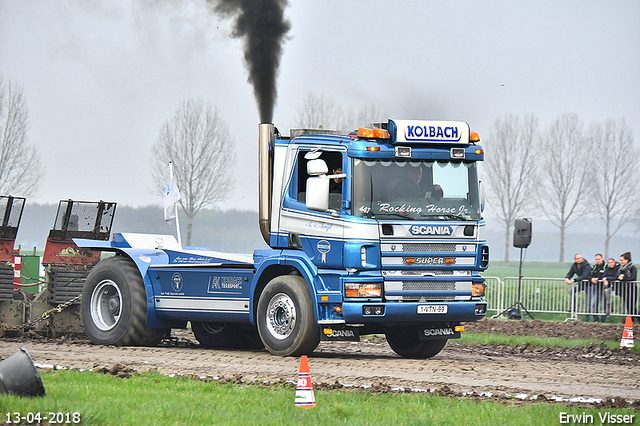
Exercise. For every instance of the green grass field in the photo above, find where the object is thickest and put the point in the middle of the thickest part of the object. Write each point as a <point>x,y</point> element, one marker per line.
<point>154,399</point>
<point>536,342</point>
<point>529,269</point>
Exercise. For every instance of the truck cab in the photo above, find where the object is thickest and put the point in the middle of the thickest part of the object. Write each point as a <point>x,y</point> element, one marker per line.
<point>391,219</point>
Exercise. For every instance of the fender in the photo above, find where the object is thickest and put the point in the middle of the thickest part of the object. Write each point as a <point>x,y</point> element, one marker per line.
<point>142,258</point>
<point>293,258</point>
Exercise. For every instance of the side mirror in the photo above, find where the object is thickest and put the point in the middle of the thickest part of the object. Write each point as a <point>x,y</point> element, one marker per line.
<point>482,195</point>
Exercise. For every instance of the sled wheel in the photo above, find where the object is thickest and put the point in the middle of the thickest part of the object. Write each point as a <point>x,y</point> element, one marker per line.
<point>286,321</point>
<point>405,342</point>
<point>114,305</point>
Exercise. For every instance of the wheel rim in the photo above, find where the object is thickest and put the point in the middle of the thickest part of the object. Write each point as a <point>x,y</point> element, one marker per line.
<point>106,305</point>
<point>281,316</point>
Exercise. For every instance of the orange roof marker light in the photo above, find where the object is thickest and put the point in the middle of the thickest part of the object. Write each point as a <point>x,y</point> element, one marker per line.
<point>373,133</point>
<point>474,137</point>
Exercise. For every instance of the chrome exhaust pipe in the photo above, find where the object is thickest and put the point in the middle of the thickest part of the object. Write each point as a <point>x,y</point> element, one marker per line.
<point>266,145</point>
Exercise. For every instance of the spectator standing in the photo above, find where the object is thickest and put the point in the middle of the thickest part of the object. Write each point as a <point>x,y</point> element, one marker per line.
<point>609,277</point>
<point>595,289</point>
<point>628,286</point>
<point>582,271</point>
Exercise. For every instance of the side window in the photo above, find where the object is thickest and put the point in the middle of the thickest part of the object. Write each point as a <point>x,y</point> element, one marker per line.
<point>334,164</point>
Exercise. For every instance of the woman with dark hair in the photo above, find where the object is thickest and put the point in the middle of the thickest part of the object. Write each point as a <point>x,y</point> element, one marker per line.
<point>627,274</point>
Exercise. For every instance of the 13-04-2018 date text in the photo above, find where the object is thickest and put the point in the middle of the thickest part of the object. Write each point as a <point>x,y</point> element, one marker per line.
<point>37,417</point>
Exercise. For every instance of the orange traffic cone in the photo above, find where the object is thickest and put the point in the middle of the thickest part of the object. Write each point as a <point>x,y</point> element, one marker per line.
<point>304,390</point>
<point>627,335</point>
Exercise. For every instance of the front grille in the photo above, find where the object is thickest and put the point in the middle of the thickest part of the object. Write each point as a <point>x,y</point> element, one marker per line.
<point>428,247</point>
<point>427,298</point>
<point>419,273</point>
<point>428,286</point>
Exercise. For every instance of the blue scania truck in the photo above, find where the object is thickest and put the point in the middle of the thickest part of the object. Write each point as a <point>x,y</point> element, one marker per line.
<point>375,231</point>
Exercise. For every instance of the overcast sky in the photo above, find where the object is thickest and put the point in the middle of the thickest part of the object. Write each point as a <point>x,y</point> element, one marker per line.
<point>101,76</point>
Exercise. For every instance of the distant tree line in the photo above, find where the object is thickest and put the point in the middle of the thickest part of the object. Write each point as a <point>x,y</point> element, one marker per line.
<point>563,172</point>
<point>231,231</point>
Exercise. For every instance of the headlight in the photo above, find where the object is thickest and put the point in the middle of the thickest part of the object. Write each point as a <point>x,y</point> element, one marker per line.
<point>363,290</point>
<point>477,290</point>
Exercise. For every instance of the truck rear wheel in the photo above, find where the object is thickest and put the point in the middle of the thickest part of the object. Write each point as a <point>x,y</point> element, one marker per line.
<point>405,342</point>
<point>286,321</point>
<point>214,335</point>
<point>114,305</point>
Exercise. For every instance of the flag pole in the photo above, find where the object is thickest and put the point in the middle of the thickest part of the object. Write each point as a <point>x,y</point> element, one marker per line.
<point>176,207</point>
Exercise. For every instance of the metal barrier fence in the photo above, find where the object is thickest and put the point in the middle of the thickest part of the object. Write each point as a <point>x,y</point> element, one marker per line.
<point>554,296</point>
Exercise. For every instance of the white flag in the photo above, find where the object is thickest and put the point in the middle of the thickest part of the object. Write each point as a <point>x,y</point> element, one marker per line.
<point>171,196</point>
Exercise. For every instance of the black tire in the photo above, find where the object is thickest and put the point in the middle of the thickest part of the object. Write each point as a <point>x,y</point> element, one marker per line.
<point>114,305</point>
<point>286,322</point>
<point>248,337</point>
<point>405,342</point>
<point>214,335</point>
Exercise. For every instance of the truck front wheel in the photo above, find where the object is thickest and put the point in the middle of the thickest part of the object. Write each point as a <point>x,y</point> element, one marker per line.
<point>405,342</point>
<point>286,322</point>
<point>114,305</point>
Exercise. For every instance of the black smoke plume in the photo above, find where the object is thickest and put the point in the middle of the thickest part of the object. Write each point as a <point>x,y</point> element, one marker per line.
<point>262,26</point>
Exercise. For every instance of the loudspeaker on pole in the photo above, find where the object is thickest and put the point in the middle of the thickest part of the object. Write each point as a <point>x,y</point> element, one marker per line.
<point>522,233</point>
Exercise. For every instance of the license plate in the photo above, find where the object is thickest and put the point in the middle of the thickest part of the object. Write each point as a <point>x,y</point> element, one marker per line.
<point>432,309</point>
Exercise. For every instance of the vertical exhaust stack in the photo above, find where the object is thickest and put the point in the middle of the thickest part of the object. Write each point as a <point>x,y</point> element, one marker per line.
<point>266,145</point>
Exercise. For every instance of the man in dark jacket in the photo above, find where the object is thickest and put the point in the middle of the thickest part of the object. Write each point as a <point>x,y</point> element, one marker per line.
<point>582,270</point>
<point>595,289</point>
<point>628,287</point>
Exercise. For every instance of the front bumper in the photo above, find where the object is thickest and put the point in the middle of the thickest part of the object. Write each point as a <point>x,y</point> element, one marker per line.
<point>407,312</point>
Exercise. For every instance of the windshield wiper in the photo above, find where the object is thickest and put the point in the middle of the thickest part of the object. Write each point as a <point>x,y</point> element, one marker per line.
<point>446,216</point>
<point>379,216</point>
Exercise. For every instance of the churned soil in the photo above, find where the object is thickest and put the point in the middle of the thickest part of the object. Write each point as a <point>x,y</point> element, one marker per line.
<point>591,372</point>
<point>565,330</point>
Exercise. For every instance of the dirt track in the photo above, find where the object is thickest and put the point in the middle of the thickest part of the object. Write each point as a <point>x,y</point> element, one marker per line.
<point>593,372</point>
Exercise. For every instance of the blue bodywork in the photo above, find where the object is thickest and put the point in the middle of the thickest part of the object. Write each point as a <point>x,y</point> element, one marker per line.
<point>334,250</point>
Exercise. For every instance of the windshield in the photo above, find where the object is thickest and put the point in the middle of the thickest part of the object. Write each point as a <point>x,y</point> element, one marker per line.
<point>413,190</point>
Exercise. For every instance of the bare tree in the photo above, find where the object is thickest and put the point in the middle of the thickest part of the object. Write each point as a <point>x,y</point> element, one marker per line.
<point>511,169</point>
<point>565,184</point>
<point>316,112</point>
<point>366,115</point>
<point>614,176</point>
<point>20,169</point>
<point>198,143</point>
